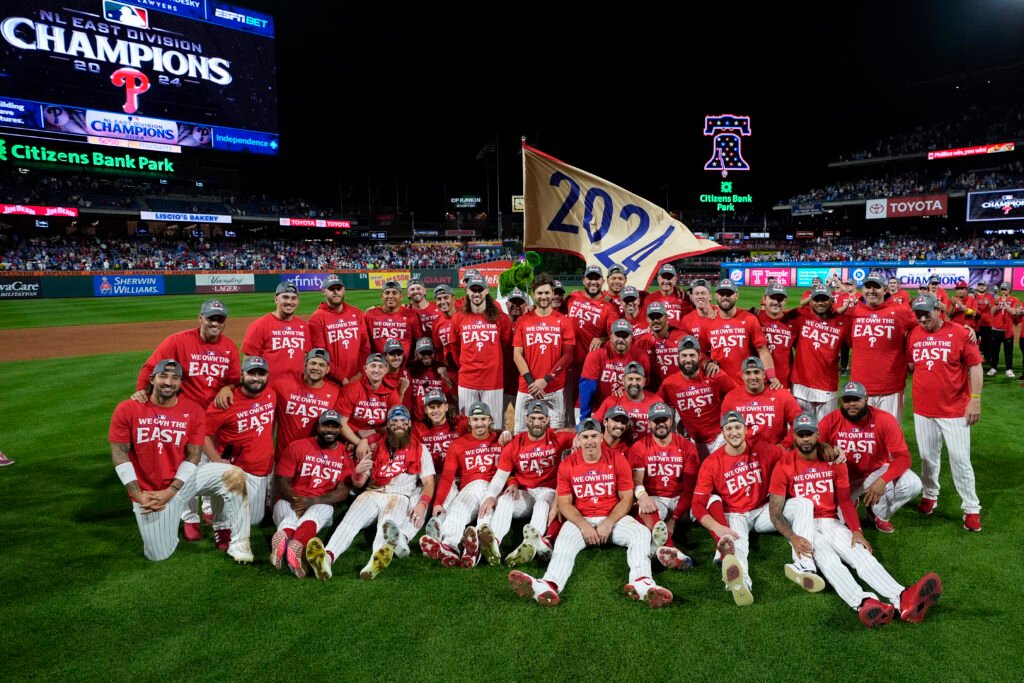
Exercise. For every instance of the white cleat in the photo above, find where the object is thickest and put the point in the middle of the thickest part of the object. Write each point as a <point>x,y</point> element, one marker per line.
<point>316,555</point>
<point>1009,373</point>
<point>735,581</point>
<point>240,552</point>
<point>378,563</point>
<point>489,545</point>
<point>394,538</point>
<point>991,372</point>
<point>659,536</point>
<point>809,581</point>
<point>433,528</point>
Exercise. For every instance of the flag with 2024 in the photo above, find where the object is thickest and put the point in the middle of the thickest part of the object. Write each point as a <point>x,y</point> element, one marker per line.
<point>571,211</point>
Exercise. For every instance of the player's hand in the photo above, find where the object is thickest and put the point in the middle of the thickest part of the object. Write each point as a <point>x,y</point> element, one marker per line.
<point>364,466</point>
<point>590,534</point>
<point>362,451</point>
<point>512,490</point>
<point>971,333</point>
<point>300,504</point>
<point>596,343</point>
<point>647,505</point>
<point>723,531</point>
<point>161,498</point>
<point>604,531</point>
<point>858,537</point>
<point>438,510</point>
<point>774,383</point>
<point>504,437</point>
<point>874,492</point>
<point>619,392</point>
<point>417,514</point>
<point>486,507</point>
<point>711,369</point>
<point>140,396</point>
<point>802,546</point>
<point>553,514</point>
<point>537,387</point>
<point>145,500</point>
<point>973,413</point>
<point>403,386</point>
<point>224,398</point>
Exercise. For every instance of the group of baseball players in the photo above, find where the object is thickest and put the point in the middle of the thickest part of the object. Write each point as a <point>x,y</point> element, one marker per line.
<point>454,416</point>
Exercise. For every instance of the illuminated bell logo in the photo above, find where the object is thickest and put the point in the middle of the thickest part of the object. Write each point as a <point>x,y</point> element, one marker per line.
<point>727,154</point>
<point>134,83</point>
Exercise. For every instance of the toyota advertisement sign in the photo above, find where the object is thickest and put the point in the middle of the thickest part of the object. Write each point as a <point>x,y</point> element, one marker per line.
<point>907,207</point>
<point>997,205</point>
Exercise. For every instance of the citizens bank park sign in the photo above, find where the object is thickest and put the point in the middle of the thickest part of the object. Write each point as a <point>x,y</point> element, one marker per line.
<point>906,207</point>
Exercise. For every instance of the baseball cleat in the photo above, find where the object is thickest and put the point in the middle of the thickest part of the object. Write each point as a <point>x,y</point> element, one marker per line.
<point>378,563</point>
<point>672,558</point>
<point>873,613</point>
<point>735,582</point>
<point>316,555</point>
<point>392,536</point>
<point>927,505</point>
<point>525,586</point>
<point>223,538</point>
<point>5,461</point>
<point>470,547</point>
<point>278,545</point>
<point>972,521</point>
<point>240,552</point>
<point>433,528</point>
<point>915,601</point>
<point>431,547</point>
<point>659,536</point>
<point>521,555</point>
<point>521,583</point>
<point>449,558</point>
<point>191,531</point>
<point>489,545</point>
<point>646,590</point>
<point>884,525</point>
<point>658,597</point>
<point>296,558</point>
<point>809,581</point>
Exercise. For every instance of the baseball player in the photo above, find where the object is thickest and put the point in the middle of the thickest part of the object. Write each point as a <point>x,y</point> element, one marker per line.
<point>675,304</point>
<point>1004,309</point>
<point>209,357</point>
<point>821,333</point>
<point>243,435</point>
<point>423,377</point>
<point>392,320</point>
<point>595,493</point>
<point>661,345</point>
<point>591,314</point>
<point>878,459</point>
<point>802,473</point>
<point>340,328</point>
<point>601,376</point>
<point>427,311</point>
<point>280,337</point>
<point>697,398</point>
<point>946,390</point>
<point>665,468</point>
<point>301,399</point>
<point>527,472</point>
<point>543,346</point>
<point>631,312</point>
<point>155,447</point>
<point>516,305</point>
<point>312,476</point>
<point>896,293</point>
<point>363,406</point>
<point>635,400</point>
<point>700,295</point>
<point>442,336</point>
<point>739,473</point>
<point>616,282</point>
<point>732,335</point>
<point>843,300</point>
<point>398,466</point>
<point>396,377</point>
<point>779,327</point>
<point>935,289</point>
<point>768,412</point>
<point>558,300</point>
<point>963,307</point>
<point>437,431</point>
<point>480,332</point>
<point>985,302</point>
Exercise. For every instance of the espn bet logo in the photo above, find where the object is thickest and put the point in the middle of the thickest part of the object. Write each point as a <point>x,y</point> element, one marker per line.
<point>3,149</point>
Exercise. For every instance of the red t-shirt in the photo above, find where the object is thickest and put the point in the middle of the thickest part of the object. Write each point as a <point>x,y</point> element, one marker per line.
<point>343,334</point>
<point>157,438</point>
<point>478,348</point>
<point>403,325</point>
<point>669,471</point>
<point>283,344</point>
<point>768,414</point>
<point>535,463</point>
<point>298,407</point>
<point>247,426</point>
<point>901,298</point>
<point>984,302</point>
<point>692,322</point>
<point>364,406</point>
<point>819,341</point>
<point>438,438</point>
<point>780,335</point>
<point>543,340</point>
<point>675,306</point>
<point>595,486</point>
<point>730,341</point>
<point>879,342</point>
<point>741,480</point>
<point>960,317</point>
<point>442,337</point>
<point>698,401</point>
<point>664,354</point>
<point>469,459</point>
<point>1001,317</point>
<point>815,480</point>
<point>388,464</point>
<point>871,442</point>
<point>636,410</point>
<point>941,384</point>
<point>606,366</point>
<point>427,316</point>
<point>590,318</point>
<point>315,471</point>
<point>421,380</point>
<point>208,367</point>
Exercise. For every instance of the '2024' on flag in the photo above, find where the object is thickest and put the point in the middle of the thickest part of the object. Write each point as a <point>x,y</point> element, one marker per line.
<point>571,211</point>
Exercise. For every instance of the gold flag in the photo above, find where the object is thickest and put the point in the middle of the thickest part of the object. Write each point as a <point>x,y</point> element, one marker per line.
<point>571,211</point>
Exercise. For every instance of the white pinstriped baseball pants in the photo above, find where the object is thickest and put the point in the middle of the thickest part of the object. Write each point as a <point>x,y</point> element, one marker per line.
<point>897,493</point>
<point>494,398</point>
<point>257,487</point>
<point>832,549</point>
<point>535,502</point>
<point>799,512</point>
<point>627,533</point>
<point>815,401</point>
<point>285,518</point>
<point>931,432</point>
<point>463,512</point>
<point>556,409</point>
<point>159,530</point>
<point>367,507</point>
<point>890,403</point>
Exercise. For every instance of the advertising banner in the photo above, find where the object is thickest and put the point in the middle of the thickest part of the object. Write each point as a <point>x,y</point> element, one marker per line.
<point>737,277</point>
<point>184,217</point>
<point>379,277</point>
<point>1017,283</point>
<point>305,282</point>
<point>315,223</point>
<point>805,276</point>
<point>911,278</point>
<point>105,286</point>
<point>758,277</point>
<point>432,277</point>
<point>21,209</point>
<point>222,284</point>
<point>19,287</point>
<point>997,205</point>
<point>490,271</point>
<point>906,207</point>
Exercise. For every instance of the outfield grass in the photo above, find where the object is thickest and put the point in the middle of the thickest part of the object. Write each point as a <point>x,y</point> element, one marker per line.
<point>82,603</point>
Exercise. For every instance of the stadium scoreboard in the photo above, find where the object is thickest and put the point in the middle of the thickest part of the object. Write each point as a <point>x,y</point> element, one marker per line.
<point>148,74</point>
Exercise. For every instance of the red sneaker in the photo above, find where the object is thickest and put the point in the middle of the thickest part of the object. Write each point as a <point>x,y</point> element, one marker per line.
<point>873,613</point>
<point>191,531</point>
<point>972,521</point>
<point>915,601</point>
<point>927,506</point>
<point>883,525</point>
<point>278,545</point>
<point>223,539</point>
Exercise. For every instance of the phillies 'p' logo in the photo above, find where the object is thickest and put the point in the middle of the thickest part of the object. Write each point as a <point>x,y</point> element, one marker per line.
<point>134,83</point>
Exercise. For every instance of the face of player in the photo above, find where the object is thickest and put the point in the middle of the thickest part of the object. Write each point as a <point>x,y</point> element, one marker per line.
<point>657,323</point>
<point>806,443</point>
<point>633,385</point>
<point>894,285</point>
<point>315,370</point>
<point>416,293</point>
<point>480,425</point>
<point>557,299</point>
<point>615,429</point>
<point>477,297</point>
<point>621,341</point>
<point>961,292</point>
<point>254,381</point>
<point>753,378</point>
<point>375,372</point>
<point>982,287</point>
<point>390,300</point>
<point>398,426</point>
<point>425,357</point>
<point>735,433</point>
<point>327,433</point>
<point>874,295</point>
<point>929,320</point>
<point>537,424</point>
<point>666,283</point>
<point>395,360</point>
<point>821,305</point>
<point>854,408</point>
<point>774,305</point>
<point>662,427</point>
<point>592,285</point>
<point>616,281</point>
<point>334,296</point>
<point>689,362</point>
<point>286,302</point>
<point>166,385</point>
<point>727,300</point>
<point>701,297</point>
<point>211,328</point>
<point>631,308</point>
<point>590,444</point>
<point>437,413</point>
<point>515,309</point>
<point>933,287</point>
<point>444,302</point>
<point>542,297</point>
<point>850,287</point>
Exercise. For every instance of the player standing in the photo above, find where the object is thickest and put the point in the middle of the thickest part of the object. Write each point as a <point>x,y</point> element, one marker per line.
<point>697,398</point>
<point>779,329</point>
<point>700,295</point>
<point>896,293</point>
<point>423,378</point>
<point>591,314</point>
<point>427,311</point>
<point>676,305</point>
<point>301,399</point>
<point>602,372</point>
<point>340,328</point>
<point>442,337</point>
<point>392,320</point>
<point>1003,312</point>
<point>661,345</point>
<point>480,332</point>
<point>821,334</point>
<point>631,312</point>
<point>616,282</point>
<point>280,337</point>
<point>732,335</point>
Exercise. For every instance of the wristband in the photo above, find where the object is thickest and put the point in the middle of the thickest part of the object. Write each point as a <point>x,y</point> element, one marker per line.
<point>638,490</point>
<point>548,378</point>
<point>176,488</point>
<point>425,500</point>
<point>977,396</point>
<point>770,373</point>
<point>185,471</point>
<point>126,472</point>
<point>528,377</point>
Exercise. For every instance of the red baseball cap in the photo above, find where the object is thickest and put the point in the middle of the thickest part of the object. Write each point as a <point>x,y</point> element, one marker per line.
<point>961,284</point>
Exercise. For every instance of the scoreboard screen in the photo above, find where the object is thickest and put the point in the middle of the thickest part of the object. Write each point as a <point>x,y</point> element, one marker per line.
<point>156,74</point>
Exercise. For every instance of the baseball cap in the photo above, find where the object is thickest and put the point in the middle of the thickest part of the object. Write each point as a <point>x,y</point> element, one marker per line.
<point>424,344</point>
<point>167,365</point>
<point>393,345</point>
<point>667,268</point>
<point>820,291</point>
<point>622,325</point>
<point>934,280</point>
<point>374,358</point>
<point>398,411</point>
<point>284,288</point>
<point>329,416</point>
<point>774,290</point>
<point>854,390</point>
<point>323,354</point>
<point>961,284</point>
<point>213,307</point>
<point>699,282</point>
<point>589,425</point>
<point>617,268</point>
<point>726,285</point>
<point>805,422</point>
<point>442,289</point>
<point>479,408</point>
<point>558,287</point>
<point>475,280</point>
<point>659,410</point>
<point>470,272</point>
<point>255,363</point>
<point>752,363</point>
<point>331,281</point>
<point>537,407</point>
<point>630,292</point>
<point>925,302</point>
<point>616,412</point>
<point>434,396</point>
<point>593,270</point>
<point>391,284</point>
<point>1005,285</point>
<point>414,281</point>
<point>657,308</point>
<point>689,342</point>
<point>875,278</point>
<point>731,416</point>
<point>516,295</point>
<point>634,368</point>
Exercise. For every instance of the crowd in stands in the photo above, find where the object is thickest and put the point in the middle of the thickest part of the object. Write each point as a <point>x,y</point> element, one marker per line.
<point>888,249</point>
<point>152,253</point>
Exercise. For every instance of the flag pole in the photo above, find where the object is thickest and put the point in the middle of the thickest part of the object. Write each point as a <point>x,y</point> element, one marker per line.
<point>522,154</point>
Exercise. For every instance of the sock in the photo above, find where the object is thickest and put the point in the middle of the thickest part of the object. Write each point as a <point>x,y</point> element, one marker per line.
<point>306,531</point>
<point>717,513</point>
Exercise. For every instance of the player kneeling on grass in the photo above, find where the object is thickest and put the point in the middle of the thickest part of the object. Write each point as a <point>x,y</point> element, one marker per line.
<point>398,463</point>
<point>740,472</point>
<point>665,468</point>
<point>595,494</point>
<point>312,477</point>
<point>802,473</point>
<point>155,447</point>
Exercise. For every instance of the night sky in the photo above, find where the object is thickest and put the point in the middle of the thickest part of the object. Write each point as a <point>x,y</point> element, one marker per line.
<point>408,97</point>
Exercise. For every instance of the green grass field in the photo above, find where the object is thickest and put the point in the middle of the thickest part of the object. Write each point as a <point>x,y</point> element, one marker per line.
<point>81,603</point>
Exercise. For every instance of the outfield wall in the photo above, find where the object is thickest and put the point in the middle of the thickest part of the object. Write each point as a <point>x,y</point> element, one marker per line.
<point>909,273</point>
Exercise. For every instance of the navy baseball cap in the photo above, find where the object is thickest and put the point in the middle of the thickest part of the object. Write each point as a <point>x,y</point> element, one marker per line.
<point>167,365</point>
<point>255,363</point>
<point>329,416</point>
<point>589,425</point>
<point>398,412</point>
<point>805,422</point>
<point>322,354</point>
<point>658,411</point>
<point>213,307</point>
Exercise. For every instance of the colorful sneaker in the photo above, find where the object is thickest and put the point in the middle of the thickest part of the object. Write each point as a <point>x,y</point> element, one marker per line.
<point>318,559</point>
<point>470,547</point>
<point>659,536</point>
<point>489,546</point>
<point>4,460</point>
<point>240,552</point>
<point>526,586</point>
<point>430,546</point>
<point>223,537</point>
<point>873,613</point>
<point>673,558</point>
<point>378,563</point>
<point>191,531</point>
<point>735,582</point>
<point>927,505</point>
<point>295,556</point>
<point>915,601</point>
<point>526,550</point>
<point>809,581</point>
<point>972,521</point>
<point>278,546</point>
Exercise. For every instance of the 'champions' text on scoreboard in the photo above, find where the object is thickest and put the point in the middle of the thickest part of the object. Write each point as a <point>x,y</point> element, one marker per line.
<point>173,73</point>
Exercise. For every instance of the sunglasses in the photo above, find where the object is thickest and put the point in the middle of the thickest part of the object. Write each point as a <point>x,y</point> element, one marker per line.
<point>396,353</point>
<point>623,335</point>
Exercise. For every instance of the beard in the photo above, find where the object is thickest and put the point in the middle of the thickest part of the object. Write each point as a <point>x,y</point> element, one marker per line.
<point>398,440</point>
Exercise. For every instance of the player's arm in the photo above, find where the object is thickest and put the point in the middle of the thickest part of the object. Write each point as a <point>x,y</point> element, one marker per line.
<point>126,473</point>
<point>977,379</point>
<point>362,446</point>
<point>801,545</point>
<point>571,514</point>
<point>444,486</point>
